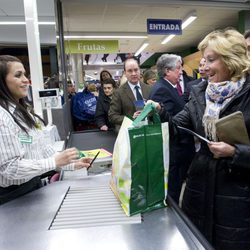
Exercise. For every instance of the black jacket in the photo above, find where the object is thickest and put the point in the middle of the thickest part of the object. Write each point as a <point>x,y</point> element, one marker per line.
<point>102,109</point>
<point>217,194</point>
<point>181,146</point>
<point>164,93</point>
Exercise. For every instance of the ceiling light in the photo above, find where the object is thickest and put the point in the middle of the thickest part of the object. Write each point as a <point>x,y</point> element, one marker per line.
<point>47,23</point>
<point>101,36</point>
<point>190,18</point>
<point>167,39</point>
<point>144,45</point>
<point>23,23</point>
<point>12,23</point>
<point>91,77</point>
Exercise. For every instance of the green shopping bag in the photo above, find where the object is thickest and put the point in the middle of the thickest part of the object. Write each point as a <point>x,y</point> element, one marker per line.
<point>140,163</point>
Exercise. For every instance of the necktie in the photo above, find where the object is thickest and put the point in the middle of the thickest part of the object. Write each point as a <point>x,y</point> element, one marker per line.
<point>138,94</point>
<point>179,90</point>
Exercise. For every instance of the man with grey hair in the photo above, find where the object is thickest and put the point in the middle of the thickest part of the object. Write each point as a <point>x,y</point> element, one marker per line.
<point>166,92</point>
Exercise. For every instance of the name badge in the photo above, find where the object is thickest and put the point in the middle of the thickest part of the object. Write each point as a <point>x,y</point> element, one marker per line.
<point>25,139</point>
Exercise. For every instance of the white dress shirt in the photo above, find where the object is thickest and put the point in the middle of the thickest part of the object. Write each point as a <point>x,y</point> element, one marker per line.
<point>173,85</point>
<point>22,156</point>
<point>132,86</point>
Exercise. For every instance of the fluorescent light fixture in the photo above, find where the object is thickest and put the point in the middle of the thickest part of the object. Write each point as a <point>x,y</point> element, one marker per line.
<point>188,20</point>
<point>12,23</point>
<point>23,23</point>
<point>144,45</point>
<point>91,77</point>
<point>47,23</point>
<point>167,39</point>
<point>101,36</point>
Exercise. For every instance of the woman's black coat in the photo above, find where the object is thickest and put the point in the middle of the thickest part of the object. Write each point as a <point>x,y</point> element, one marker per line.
<point>217,193</point>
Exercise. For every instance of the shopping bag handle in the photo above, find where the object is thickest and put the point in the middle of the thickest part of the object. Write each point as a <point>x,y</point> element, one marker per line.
<point>149,108</point>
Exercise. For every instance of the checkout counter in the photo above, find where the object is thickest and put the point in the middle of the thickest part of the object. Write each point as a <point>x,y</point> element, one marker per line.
<point>27,222</point>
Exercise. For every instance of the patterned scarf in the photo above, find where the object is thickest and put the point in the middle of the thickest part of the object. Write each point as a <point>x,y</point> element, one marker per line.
<point>218,95</point>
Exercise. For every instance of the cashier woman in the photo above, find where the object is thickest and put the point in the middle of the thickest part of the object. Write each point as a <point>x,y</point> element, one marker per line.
<point>24,155</point>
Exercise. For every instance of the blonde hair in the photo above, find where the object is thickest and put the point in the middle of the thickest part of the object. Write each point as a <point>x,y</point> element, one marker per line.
<point>232,48</point>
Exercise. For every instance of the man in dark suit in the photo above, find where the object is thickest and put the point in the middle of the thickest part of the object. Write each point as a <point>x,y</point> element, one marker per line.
<point>184,82</point>
<point>203,77</point>
<point>202,72</point>
<point>124,98</point>
<point>166,92</point>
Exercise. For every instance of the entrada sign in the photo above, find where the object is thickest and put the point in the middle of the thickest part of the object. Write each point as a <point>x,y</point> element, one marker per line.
<point>164,26</point>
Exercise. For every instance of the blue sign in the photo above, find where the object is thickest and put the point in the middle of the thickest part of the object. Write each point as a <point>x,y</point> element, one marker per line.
<point>164,26</point>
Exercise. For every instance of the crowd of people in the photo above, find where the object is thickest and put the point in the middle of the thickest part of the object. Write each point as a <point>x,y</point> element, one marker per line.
<point>217,191</point>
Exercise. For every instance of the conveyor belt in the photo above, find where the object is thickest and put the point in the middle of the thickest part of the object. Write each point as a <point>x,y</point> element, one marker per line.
<point>25,222</point>
<point>89,207</point>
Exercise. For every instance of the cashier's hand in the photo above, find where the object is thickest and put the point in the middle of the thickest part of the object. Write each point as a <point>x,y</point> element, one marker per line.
<point>221,149</point>
<point>66,157</point>
<point>155,104</point>
<point>82,163</point>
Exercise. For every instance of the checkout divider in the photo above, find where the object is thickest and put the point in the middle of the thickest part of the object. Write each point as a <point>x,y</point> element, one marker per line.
<point>92,139</point>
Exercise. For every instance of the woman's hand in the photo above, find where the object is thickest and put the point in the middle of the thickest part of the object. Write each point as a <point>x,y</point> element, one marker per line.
<point>71,155</point>
<point>67,156</point>
<point>221,149</point>
<point>83,163</point>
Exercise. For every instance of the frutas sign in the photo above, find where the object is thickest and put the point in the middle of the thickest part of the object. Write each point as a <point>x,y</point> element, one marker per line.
<point>91,46</point>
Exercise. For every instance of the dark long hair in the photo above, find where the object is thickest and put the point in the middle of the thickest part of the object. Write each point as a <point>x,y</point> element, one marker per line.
<point>6,98</point>
<point>101,78</point>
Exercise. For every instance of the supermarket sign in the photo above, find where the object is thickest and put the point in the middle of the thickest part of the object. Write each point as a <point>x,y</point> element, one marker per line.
<point>164,26</point>
<point>91,46</point>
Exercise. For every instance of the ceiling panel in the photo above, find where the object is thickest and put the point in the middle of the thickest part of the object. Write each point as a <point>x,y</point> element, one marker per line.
<point>125,17</point>
<point>131,18</point>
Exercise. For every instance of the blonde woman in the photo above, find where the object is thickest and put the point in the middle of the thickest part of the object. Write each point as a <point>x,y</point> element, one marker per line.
<point>217,194</point>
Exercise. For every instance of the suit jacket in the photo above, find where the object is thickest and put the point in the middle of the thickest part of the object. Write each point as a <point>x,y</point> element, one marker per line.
<point>123,102</point>
<point>186,79</point>
<point>181,145</point>
<point>164,93</point>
